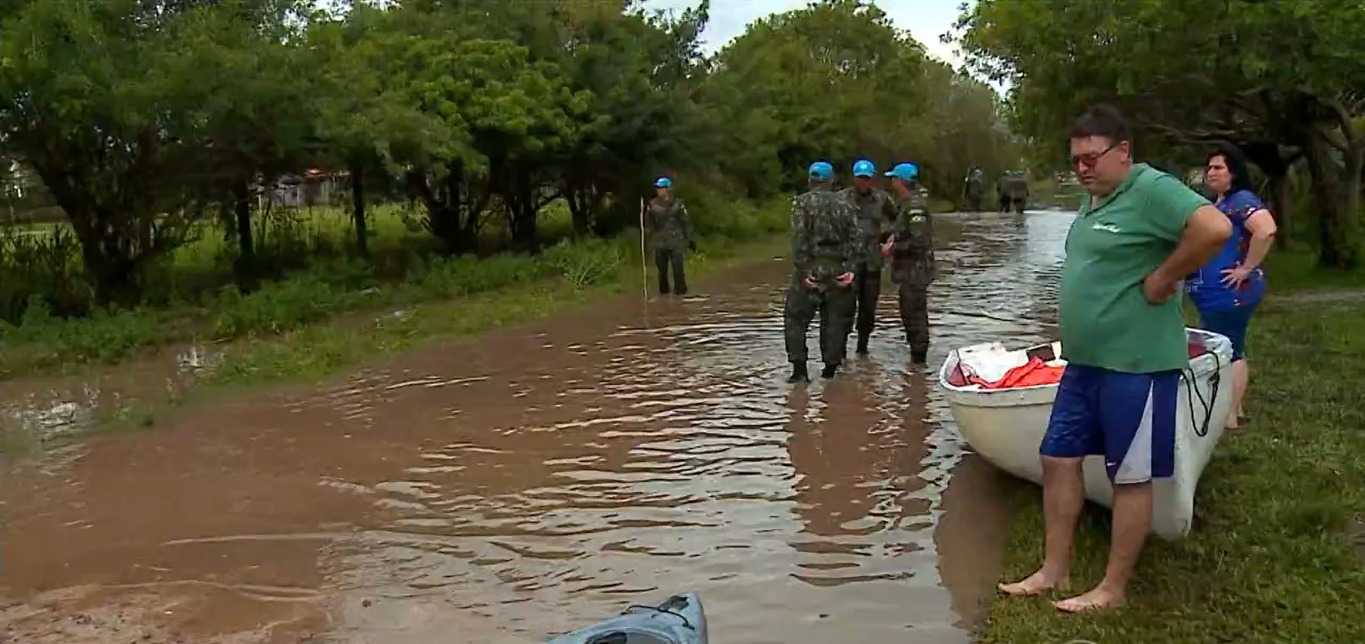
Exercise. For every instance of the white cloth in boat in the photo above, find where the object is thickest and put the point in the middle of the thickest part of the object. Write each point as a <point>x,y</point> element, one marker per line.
<point>990,361</point>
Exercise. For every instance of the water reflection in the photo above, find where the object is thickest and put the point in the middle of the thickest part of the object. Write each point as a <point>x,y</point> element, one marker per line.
<point>535,480</point>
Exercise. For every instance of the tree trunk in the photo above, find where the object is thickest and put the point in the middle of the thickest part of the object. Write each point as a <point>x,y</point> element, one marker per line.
<point>362,233</point>
<point>245,266</point>
<point>579,210</point>
<point>1337,234</point>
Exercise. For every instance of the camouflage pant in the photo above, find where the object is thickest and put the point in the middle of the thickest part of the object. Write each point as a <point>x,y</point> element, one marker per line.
<point>664,258</point>
<point>867,290</point>
<point>914,309</point>
<point>835,306</point>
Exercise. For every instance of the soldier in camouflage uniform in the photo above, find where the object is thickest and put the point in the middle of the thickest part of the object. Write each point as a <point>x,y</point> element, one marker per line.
<point>1016,190</point>
<point>876,215</point>
<point>974,189</point>
<point>911,249</point>
<point>670,234</point>
<point>826,250</point>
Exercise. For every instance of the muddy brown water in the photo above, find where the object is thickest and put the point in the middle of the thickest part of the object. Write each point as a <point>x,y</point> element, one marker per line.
<point>537,479</point>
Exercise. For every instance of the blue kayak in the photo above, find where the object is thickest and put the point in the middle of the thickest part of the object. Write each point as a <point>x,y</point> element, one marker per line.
<point>677,620</point>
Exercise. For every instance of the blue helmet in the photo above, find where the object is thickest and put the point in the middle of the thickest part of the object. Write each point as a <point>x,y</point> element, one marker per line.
<point>904,171</point>
<point>821,170</point>
<point>663,182</point>
<point>864,168</point>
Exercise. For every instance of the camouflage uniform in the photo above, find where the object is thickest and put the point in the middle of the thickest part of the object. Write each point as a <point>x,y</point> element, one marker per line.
<point>670,235</point>
<point>913,269</point>
<point>975,190</point>
<point>825,244</point>
<point>876,215</point>
<point>1016,190</point>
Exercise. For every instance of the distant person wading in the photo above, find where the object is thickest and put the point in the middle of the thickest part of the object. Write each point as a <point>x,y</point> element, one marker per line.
<point>1228,289</point>
<point>671,235</point>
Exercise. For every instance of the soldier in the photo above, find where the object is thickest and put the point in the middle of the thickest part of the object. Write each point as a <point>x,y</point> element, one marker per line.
<point>670,233</point>
<point>1018,190</point>
<point>876,215</point>
<point>911,249</point>
<point>1002,192</point>
<point>974,189</point>
<point>826,250</point>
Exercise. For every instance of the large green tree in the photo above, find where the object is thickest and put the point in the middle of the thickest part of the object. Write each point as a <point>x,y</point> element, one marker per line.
<point>1280,78</point>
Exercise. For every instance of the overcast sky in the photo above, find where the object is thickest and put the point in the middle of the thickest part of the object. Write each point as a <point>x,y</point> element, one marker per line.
<point>926,19</point>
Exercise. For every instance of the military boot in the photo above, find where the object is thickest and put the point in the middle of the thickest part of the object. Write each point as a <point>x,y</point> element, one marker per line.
<point>862,345</point>
<point>799,373</point>
<point>829,370</point>
<point>919,355</point>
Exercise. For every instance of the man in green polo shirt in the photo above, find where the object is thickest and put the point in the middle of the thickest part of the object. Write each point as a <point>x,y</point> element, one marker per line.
<point>1138,234</point>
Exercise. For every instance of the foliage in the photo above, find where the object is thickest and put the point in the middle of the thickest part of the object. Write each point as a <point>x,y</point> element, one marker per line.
<point>1187,76</point>
<point>166,128</point>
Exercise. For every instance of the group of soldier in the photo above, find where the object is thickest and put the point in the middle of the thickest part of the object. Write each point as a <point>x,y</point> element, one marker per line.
<point>1011,191</point>
<point>841,241</point>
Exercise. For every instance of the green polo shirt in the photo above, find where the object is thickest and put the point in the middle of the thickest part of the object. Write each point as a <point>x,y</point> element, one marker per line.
<point>1112,247</point>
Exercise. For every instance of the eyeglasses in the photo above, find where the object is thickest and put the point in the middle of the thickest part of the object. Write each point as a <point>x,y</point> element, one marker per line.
<point>1089,160</point>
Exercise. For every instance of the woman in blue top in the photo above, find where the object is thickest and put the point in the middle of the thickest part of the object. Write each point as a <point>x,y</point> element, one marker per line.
<point>1227,289</point>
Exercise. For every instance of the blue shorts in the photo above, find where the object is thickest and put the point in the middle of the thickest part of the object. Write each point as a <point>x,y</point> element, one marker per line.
<point>1232,323</point>
<point>1127,417</point>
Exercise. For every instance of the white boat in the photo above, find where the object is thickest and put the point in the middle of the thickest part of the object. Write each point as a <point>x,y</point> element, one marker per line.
<point>1006,425</point>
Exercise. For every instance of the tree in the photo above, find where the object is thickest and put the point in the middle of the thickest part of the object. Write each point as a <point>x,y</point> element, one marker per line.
<point>89,98</point>
<point>1189,76</point>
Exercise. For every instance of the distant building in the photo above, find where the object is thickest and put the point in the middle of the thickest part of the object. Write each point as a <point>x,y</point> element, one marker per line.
<point>313,188</point>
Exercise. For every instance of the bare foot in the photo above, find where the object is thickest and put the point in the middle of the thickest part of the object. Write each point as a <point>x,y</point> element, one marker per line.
<point>1035,584</point>
<point>1098,599</point>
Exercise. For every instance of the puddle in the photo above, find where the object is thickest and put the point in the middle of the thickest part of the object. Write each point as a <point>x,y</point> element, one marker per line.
<point>538,479</point>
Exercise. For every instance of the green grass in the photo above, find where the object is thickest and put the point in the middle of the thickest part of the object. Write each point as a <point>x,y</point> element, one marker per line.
<point>1268,559</point>
<point>1296,269</point>
<point>189,299</point>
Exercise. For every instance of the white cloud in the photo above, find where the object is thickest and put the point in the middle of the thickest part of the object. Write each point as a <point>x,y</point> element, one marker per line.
<point>926,20</point>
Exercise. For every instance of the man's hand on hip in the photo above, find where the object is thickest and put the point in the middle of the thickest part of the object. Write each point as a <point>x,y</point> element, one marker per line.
<point>1158,287</point>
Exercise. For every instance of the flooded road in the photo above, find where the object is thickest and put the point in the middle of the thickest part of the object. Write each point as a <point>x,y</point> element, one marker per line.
<point>538,479</point>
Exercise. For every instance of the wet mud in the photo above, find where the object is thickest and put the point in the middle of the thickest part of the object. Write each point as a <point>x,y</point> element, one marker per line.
<point>537,479</point>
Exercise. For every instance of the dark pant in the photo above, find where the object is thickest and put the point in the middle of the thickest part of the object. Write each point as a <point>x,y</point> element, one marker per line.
<point>868,285</point>
<point>663,259</point>
<point>1232,323</point>
<point>835,307</point>
<point>914,310</point>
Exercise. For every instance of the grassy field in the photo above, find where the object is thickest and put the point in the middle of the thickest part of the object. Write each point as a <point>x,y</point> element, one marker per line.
<point>189,297</point>
<point>1277,553</point>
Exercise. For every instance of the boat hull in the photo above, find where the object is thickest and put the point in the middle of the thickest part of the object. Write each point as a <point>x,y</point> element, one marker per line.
<point>1006,426</point>
<point>680,619</point>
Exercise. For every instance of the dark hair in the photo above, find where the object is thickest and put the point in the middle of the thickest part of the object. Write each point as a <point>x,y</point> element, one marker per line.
<point>1237,165</point>
<point>1101,119</point>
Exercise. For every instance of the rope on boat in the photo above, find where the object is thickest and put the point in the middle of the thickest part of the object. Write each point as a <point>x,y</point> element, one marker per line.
<point>1192,388</point>
<point>664,611</point>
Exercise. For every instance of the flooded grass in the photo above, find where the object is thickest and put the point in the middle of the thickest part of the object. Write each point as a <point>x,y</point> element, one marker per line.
<point>1271,556</point>
<point>449,304</point>
<point>187,305</point>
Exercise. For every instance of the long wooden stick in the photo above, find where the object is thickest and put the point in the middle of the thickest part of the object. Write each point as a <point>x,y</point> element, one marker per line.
<point>644,268</point>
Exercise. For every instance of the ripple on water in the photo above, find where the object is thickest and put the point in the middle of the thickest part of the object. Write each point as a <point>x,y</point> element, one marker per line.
<point>511,487</point>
